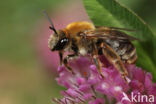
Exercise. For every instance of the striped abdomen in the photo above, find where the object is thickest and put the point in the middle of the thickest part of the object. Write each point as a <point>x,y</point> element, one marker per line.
<point>125,49</point>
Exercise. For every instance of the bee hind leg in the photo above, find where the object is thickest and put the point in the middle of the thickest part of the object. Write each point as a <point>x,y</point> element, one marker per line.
<point>66,64</point>
<point>114,59</point>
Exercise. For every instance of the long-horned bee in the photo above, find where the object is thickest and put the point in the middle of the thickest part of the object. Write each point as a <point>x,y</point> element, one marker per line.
<point>83,38</point>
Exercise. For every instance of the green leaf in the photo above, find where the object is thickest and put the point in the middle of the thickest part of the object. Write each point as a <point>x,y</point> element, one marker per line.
<point>112,13</point>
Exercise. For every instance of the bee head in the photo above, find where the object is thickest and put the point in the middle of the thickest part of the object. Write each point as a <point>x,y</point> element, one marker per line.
<point>58,41</point>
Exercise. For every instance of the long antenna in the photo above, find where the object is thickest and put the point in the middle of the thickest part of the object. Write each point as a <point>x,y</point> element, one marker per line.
<point>51,23</point>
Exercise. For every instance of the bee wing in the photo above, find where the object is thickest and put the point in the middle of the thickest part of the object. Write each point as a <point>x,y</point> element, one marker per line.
<point>117,28</point>
<point>106,32</point>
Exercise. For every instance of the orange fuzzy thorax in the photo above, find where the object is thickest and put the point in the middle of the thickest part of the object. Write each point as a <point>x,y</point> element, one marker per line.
<point>77,27</point>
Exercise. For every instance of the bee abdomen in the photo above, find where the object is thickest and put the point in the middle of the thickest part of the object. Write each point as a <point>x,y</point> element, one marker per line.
<point>127,52</point>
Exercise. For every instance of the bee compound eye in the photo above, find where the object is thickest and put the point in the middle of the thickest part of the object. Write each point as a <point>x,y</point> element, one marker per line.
<point>61,44</point>
<point>64,40</point>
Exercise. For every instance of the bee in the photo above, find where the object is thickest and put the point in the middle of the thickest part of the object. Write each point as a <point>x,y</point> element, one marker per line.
<point>83,38</point>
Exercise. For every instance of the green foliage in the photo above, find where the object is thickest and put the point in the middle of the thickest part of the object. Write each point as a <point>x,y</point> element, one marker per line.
<point>112,13</point>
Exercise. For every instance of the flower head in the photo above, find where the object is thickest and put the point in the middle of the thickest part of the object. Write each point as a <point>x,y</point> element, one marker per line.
<point>87,86</point>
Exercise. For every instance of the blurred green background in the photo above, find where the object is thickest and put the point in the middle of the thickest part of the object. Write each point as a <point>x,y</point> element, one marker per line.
<point>23,80</point>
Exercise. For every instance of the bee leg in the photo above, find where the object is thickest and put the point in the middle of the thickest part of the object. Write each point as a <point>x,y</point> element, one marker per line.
<point>61,57</point>
<point>114,58</point>
<point>65,61</point>
<point>97,61</point>
<point>98,65</point>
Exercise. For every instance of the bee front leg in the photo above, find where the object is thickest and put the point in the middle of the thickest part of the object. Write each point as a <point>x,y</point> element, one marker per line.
<point>65,61</point>
<point>97,60</point>
<point>61,57</point>
<point>114,59</point>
